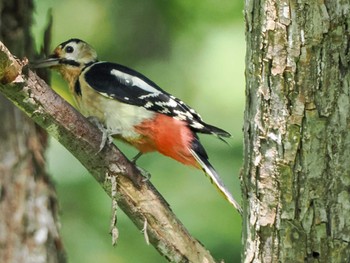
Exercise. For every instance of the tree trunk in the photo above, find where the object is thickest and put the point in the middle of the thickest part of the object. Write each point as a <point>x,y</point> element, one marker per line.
<point>28,205</point>
<point>296,175</point>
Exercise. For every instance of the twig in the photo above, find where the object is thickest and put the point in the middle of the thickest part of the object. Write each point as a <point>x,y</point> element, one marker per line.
<point>113,228</point>
<point>144,231</point>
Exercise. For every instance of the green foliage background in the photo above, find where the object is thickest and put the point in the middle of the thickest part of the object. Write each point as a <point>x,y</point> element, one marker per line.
<point>193,49</point>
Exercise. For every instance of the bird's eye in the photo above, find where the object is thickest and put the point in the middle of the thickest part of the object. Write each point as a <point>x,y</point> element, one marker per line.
<point>69,49</point>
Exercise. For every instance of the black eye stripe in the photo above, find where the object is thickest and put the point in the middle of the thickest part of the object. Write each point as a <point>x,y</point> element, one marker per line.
<point>69,49</point>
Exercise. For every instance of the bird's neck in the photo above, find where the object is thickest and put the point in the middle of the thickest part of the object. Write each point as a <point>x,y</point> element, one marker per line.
<point>70,74</point>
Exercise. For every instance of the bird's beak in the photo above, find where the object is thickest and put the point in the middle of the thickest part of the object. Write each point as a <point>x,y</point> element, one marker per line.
<point>51,61</point>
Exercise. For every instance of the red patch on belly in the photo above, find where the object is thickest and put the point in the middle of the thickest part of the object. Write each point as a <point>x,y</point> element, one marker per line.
<point>168,136</point>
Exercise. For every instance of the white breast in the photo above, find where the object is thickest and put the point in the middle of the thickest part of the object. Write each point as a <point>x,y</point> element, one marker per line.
<point>119,118</point>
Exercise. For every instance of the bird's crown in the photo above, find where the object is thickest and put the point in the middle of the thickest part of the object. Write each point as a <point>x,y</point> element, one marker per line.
<point>73,52</point>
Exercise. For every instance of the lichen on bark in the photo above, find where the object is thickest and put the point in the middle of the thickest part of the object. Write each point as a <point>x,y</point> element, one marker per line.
<point>296,174</point>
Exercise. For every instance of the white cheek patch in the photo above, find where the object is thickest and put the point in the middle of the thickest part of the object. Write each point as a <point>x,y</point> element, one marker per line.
<point>82,52</point>
<point>75,54</point>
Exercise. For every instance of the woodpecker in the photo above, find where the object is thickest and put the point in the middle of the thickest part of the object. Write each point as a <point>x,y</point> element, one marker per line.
<point>134,109</point>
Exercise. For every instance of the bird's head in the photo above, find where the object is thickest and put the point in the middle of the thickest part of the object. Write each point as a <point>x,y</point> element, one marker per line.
<point>72,53</point>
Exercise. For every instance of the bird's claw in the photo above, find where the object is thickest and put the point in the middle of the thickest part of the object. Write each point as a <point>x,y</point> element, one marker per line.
<point>107,138</point>
<point>145,174</point>
<point>107,134</point>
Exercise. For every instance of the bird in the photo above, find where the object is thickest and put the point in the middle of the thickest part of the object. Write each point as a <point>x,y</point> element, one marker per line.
<point>131,107</point>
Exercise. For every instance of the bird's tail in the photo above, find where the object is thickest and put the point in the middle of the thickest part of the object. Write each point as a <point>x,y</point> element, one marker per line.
<point>215,179</point>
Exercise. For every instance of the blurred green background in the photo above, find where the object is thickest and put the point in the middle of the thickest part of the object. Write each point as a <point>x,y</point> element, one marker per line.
<point>194,50</point>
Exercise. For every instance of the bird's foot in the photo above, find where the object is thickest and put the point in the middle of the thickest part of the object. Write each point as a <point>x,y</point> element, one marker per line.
<point>107,133</point>
<point>145,174</point>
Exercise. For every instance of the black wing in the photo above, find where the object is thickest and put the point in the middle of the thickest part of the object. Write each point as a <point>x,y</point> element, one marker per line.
<point>129,86</point>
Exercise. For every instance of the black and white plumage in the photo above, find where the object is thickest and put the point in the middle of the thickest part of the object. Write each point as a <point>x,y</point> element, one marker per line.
<point>127,85</point>
<point>134,108</point>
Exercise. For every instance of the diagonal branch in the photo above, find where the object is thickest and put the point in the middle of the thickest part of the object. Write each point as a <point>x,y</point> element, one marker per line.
<point>138,199</point>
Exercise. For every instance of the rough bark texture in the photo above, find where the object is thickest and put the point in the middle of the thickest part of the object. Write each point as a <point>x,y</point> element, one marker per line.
<point>28,207</point>
<point>296,176</point>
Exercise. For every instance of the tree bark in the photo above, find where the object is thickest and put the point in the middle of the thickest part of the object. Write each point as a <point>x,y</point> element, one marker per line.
<point>296,174</point>
<point>28,204</point>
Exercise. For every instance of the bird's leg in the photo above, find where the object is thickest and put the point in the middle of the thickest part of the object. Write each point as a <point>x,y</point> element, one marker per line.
<point>136,157</point>
<point>94,120</point>
<point>143,172</point>
<point>107,137</point>
<point>107,134</point>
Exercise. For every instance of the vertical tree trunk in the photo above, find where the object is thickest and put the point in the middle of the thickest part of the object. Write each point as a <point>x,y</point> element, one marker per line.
<point>296,175</point>
<point>28,206</point>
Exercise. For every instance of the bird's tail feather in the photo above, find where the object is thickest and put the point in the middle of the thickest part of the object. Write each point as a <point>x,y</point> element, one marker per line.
<point>215,179</point>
